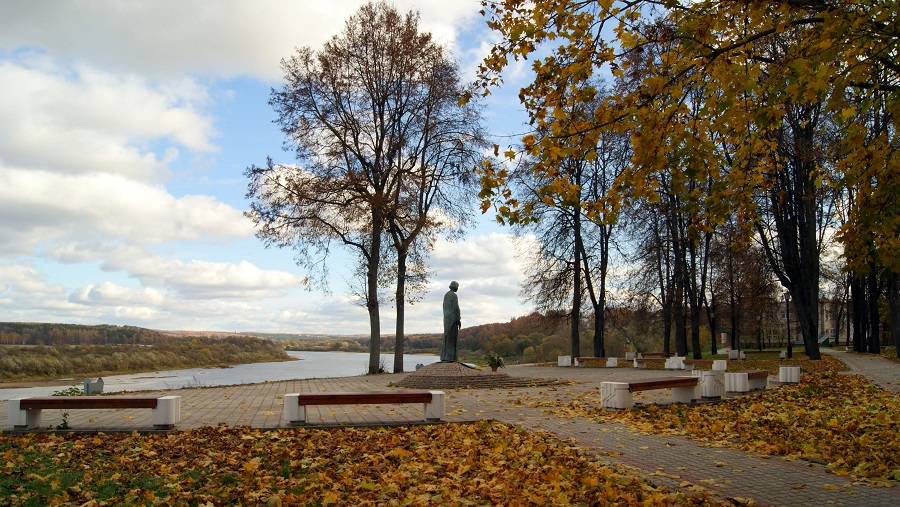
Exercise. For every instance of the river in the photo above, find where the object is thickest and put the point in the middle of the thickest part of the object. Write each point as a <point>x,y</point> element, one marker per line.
<point>308,365</point>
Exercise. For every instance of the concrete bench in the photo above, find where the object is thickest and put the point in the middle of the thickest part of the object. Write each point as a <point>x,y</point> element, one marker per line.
<point>742,381</point>
<point>689,364</point>
<point>608,362</point>
<point>641,362</point>
<point>617,395</point>
<point>716,364</point>
<point>295,404</point>
<point>25,413</point>
<point>762,353</point>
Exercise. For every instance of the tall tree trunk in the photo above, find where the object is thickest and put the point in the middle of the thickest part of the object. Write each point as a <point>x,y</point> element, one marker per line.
<point>600,309</point>
<point>678,308</point>
<point>858,298</point>
<point>893,297</point>
<point>576,288</point>
<point>694,294</point>
<point>665,289</point>
<point>874,291</point>
<point>711,318</point>
<point>400,337</point>
<point>598,297</point>
<point>373,261</point>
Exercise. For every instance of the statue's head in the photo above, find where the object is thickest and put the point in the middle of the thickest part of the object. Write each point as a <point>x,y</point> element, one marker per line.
<point>454,286</point>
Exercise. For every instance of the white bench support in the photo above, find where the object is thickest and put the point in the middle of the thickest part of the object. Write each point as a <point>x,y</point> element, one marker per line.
<point>675,363</point>
<point>437,409</point>
<point>22,419</point>
<point>167,413</point>
<point>789,374</point>
<point>742,383</point>
<point>737,382</point>
<point>711,384</point>
<point>564,360</point>
<point>612,362</point>
<point>616,395</point>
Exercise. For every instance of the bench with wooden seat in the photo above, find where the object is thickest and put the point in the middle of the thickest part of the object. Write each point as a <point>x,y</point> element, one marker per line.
<point>779,353</point>
<point>295,403</point>
<point>716,364</point>
<point>742,381</point>
<point>641,362</point>
<point>616,395</point>
<point>690,363</point>
<point>25,413</point>
<point>655,354</point>
<point>608,362</point>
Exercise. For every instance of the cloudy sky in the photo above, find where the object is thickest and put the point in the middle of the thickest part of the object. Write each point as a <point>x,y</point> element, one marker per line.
<point>125,128</point>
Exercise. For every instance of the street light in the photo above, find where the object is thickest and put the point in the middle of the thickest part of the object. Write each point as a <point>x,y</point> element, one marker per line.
<point>787,313</point>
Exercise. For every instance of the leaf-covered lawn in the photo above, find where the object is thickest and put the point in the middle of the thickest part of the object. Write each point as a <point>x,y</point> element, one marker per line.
<point>842,420</point>
<point>484,463</point>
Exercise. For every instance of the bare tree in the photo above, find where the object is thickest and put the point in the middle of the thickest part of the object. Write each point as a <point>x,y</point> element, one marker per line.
<point>436,189</point>
<point>353,113</point>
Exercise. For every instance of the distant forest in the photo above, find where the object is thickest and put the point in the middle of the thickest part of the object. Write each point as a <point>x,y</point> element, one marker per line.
<point>531,338</point>
<point>34,351</point>
<point>37,333</point>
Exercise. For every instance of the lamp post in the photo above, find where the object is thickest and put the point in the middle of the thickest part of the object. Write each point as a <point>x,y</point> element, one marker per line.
<point>787,313</point>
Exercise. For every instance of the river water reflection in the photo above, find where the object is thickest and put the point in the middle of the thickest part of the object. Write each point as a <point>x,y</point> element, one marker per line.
<point>309,365</point>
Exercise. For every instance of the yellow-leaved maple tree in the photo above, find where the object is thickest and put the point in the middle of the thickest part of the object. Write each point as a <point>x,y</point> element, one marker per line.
<point>770,106</point>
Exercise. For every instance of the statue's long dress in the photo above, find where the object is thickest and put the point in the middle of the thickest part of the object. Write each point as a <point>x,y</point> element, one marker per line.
<point>451,326</point>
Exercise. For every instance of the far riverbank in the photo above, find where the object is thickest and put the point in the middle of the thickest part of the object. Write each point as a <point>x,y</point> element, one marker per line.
<point>309,365</point>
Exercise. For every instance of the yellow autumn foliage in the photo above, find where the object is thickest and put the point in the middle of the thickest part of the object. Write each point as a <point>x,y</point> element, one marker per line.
<point>484,463</point>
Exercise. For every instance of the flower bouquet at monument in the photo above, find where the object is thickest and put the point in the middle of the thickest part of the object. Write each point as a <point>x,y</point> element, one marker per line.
<point>494,360</point>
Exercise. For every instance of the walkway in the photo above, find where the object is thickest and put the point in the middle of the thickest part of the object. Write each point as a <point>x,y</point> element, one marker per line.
<point>881,371</point>
<point>675,462</point>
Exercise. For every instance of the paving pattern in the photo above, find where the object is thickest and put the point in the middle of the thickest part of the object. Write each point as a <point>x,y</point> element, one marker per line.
<point>674,462</point>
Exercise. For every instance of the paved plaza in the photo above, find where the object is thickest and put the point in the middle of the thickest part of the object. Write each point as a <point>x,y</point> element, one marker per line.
<point>675,462</point>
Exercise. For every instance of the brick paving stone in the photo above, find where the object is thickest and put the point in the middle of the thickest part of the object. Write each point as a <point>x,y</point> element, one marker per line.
<point>674,462</point>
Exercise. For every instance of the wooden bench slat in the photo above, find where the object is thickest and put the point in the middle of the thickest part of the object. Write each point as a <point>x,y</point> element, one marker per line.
<point>353,398</point>
<point>698,361</point>
<point>658,354</point>
<point>662,383</point>
<point>88,402</point>
<point>651,359</point>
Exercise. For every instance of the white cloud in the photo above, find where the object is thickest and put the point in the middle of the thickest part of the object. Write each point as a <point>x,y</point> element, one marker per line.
<point>81,120</point>
<point>193,279</point>
<point>222,38</point>
<point>41,207</point>
<point>207,280</point>
<point>110,294</point>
